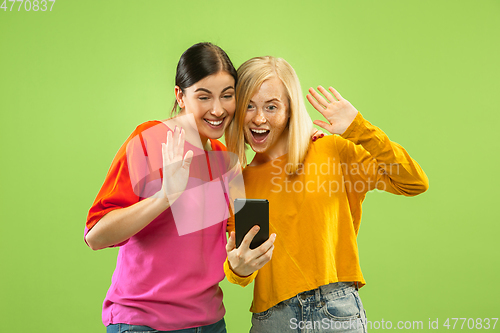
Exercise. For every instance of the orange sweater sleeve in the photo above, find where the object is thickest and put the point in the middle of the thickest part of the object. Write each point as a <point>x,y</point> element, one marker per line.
<point>236,279</point>
<point>230,222</point>
<point>370,158</point>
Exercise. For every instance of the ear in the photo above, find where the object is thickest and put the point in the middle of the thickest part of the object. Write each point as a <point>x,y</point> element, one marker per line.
<point>179,96</point>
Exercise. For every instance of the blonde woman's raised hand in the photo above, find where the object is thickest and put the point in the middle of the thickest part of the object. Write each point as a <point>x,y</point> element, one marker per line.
<point>175,166</point>
<point>338,111</point>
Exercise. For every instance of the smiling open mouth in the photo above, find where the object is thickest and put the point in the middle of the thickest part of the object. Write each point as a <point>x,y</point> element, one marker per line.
<point>214,123</point>
<point>259,135</point>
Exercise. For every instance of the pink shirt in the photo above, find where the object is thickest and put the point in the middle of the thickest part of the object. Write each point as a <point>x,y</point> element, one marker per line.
<point>166,275</point>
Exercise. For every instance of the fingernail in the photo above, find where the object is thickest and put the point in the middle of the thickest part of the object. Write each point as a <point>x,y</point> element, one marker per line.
<point>314,139</point>
<point>322,135</point>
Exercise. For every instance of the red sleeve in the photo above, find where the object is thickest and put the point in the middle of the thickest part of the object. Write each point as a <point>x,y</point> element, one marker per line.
<point>117,190</point>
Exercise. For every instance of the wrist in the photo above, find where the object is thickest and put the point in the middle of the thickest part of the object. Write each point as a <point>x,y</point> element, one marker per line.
<point>160,200</point>
<point>237,273</point>
<point>352,126</point>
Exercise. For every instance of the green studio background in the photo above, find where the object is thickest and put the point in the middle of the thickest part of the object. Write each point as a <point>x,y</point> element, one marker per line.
<point>75,82</point>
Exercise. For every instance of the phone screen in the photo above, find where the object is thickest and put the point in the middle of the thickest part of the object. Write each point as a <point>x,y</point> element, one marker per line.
<point>250,212</point>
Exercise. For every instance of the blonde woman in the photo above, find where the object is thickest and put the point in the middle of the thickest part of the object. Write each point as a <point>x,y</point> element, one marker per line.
<point>315,190</point>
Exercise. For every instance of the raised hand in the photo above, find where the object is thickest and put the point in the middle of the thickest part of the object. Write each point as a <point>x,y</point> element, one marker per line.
<point>337,110</point>
<point>175,166</point>
<point>244,261</point>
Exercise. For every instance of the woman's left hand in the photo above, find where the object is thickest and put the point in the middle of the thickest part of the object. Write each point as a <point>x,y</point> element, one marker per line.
<point>316,134</point>
<point>337,110</point>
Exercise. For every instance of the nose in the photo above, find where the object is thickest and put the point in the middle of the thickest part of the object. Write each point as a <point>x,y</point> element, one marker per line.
<point>217,110</point>
<point>259,118</point>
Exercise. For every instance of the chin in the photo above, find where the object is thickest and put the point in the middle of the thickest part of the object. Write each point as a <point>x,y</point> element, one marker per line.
<point>213,136</point>
<point>259,150</point>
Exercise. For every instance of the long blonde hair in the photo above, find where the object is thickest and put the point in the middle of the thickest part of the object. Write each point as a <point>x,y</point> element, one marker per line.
<point>251,75</point>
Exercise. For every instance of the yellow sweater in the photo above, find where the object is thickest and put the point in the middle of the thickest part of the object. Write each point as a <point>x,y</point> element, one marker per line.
<point>316,214</point>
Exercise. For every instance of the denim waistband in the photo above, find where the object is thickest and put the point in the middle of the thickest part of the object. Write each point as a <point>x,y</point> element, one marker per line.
<point>326,293</point>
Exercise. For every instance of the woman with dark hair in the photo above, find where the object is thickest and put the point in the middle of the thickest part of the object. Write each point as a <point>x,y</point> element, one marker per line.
<point>159,206</point>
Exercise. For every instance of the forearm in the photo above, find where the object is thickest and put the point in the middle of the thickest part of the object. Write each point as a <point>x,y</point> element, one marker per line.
<point>120,224</point>
<point>405,174</point>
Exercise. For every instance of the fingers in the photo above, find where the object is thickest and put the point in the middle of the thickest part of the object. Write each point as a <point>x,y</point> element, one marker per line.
<point>327,94</point>
<point>266,246</point>
<point>245,243</point>
<point>188,158</point>
<point>179,142</point>
<point>174,147</point>
<point>335,93</point>
<point>323,125</point>
<point>169,148</point>
<point>318,97</point>
<point>265,258</point>
<point>318,136</point>
<point>315,104</point>
<point>319,101</point>
<point>314,136</point>
<point>245,261</point>
<point>164,153</point>
<point>231,242</point>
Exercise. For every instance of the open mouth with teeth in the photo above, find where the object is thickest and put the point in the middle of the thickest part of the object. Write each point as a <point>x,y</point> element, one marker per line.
<point>214,123</point>
<point>259,135</point>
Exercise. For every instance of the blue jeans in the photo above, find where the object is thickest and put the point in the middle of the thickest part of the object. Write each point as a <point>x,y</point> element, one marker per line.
<point>335,307</point>
<point>218,327</point>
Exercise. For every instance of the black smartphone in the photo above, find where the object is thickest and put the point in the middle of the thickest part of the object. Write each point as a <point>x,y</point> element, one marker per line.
<point>250,212</point>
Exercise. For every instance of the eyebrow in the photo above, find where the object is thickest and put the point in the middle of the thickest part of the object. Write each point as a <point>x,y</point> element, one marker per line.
<point>209,92</point>
<point>269,101</point>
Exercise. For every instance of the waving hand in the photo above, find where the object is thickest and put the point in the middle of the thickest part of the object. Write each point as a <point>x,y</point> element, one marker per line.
<point>338,111</point>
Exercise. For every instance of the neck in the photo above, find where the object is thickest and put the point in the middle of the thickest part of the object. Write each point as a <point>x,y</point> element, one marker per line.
<point>207,145</point>
<point>280,148</point>
<point>204,142</point>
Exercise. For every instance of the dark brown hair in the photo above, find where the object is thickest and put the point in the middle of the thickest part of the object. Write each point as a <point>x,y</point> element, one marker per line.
<point>198,62</point>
